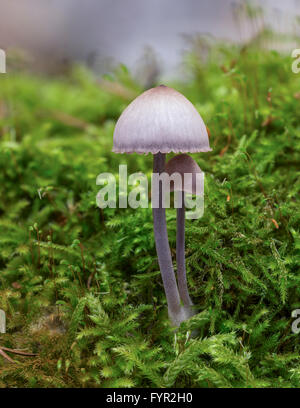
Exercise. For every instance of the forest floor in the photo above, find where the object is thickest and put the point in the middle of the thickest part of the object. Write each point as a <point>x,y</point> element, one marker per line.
<point>81,287</point>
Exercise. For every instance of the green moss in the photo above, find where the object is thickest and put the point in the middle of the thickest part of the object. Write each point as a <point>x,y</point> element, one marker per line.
<point>81,286</point>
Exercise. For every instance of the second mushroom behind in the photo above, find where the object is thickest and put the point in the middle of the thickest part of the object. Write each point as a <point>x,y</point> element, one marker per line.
<point>160,121</point>
<point>191,183</point>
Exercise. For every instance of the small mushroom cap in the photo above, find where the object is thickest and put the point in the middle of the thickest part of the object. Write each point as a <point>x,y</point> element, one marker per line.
<point>160,120</point>
<point>184,164</point>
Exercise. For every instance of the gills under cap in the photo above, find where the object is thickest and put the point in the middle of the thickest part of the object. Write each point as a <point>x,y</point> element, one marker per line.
<point>160,120</point>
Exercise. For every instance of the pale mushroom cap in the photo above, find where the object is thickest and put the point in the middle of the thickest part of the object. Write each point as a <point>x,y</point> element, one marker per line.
<point>160,120</point>
<point>184,164</point>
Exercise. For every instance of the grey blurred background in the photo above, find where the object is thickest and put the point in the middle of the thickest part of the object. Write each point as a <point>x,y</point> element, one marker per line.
<point>103,33</point>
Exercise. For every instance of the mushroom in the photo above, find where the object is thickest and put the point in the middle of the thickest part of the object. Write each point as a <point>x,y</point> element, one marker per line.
<point>192,184</point>
<point>160,121</point>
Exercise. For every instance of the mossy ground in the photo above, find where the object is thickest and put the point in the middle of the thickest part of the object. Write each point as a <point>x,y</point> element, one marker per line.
<point>81,287</point>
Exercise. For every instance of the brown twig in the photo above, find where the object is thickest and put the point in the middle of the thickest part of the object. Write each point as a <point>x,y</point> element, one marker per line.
<point>70,120</point>
<point>3,354</point>
<point>91,277</point>
<point>82,257</point>
<point>39,249</point>
<point>18,351</point>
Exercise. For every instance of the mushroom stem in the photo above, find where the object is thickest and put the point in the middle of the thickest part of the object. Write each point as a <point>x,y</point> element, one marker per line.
<point>175,310</point>
<point>180,255</point>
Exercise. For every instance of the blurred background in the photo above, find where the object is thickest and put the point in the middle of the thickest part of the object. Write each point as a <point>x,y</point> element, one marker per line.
<point>80,285</point>
<point>150,37</point>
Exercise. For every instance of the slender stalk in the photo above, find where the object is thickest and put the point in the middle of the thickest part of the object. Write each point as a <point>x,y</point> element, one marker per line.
<point>175,310</point>
<point>180,255</point>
